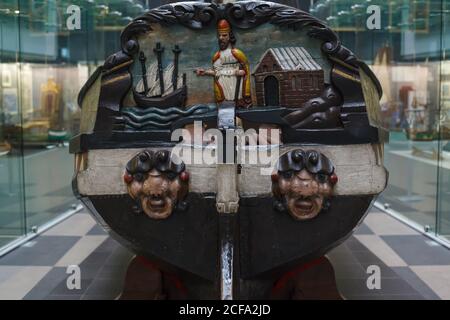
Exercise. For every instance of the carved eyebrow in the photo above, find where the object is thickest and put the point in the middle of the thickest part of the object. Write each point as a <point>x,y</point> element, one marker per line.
<point>147,160</point>
<point>299,159</point>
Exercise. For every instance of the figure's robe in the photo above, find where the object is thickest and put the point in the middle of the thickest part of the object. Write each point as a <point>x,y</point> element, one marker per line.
<point>225,64</point>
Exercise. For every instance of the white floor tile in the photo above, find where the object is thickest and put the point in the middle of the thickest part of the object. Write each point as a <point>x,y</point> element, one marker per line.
<point>76,225</point>
<point>382,224</point>
<point>84,247</point>
<point>20,281</point>
<point>436,277</point>
<point>381,250</point>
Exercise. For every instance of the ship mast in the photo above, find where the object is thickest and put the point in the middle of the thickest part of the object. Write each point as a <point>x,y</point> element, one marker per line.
<point>144,71</point>
<point>158,51</point>
<point>176,54</point>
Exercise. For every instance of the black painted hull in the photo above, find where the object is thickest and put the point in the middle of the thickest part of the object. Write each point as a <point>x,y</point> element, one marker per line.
<point>269,243</point>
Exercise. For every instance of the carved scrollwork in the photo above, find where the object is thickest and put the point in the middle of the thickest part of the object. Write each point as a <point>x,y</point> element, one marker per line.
<point>243,15</point>
<point>194,15</point>
<point>248,15</point>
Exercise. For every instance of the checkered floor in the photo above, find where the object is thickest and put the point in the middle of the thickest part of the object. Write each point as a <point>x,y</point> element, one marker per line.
<point>412,266</point>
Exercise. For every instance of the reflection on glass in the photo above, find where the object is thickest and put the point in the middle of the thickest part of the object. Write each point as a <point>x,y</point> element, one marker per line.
<point>405,53</point>
<point>12,219</point>
<point>443,225</point>
<point>48,49</point>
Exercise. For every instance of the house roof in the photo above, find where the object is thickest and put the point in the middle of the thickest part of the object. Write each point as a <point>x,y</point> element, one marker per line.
<point>293,59</point>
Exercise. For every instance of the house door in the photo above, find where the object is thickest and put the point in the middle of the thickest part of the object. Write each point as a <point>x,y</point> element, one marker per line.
<point>271,91</point>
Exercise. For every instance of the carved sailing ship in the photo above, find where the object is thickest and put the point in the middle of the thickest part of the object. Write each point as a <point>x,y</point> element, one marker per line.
<point>160,87</point>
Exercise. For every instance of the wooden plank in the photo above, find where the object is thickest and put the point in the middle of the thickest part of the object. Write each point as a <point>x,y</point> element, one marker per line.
<point>358,167</point>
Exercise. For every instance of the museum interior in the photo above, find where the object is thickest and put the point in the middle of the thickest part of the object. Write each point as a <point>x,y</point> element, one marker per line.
<point>45,59</point>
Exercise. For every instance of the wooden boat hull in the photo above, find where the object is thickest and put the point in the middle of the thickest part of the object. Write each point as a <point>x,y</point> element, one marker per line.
<point>268,243</point>
<point>177,98</point>
<point>187,244</point>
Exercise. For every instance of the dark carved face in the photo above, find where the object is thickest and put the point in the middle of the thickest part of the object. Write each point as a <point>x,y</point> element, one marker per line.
<point>224,40</point>
<point>156,183</point>
<point>303,183</point>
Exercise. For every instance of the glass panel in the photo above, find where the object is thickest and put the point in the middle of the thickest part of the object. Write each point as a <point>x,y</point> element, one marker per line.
<point>404,51</point>
<point>49,86</point>
<point>12,218</point>
<point>48,50</point>
<point>61,44</point>
<point>443,224</point>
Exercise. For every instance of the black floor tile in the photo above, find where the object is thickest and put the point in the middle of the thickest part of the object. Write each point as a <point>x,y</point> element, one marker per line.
<point>96,230</point>
<point>358,287</point>
<point>108,288</point>
<point>363,229</point>
<point>408,275</point>
<point>385,271</point>
<point>119,257</point>
<point>112,272</point>
<point>415,251</point>
<point>366,257</point>
<point>354,244</point>
<point>109,245</point>
<point>349,271</point>
<point>61,288</point>
<point>90,270</point>
<point>49,282</point>
<point>97,257</point>
<point>46,252</point>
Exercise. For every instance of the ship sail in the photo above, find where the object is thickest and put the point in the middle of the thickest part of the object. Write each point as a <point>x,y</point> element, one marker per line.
<point>168,72</point>
<point>151,72</point>
<point>168,76</point>
<point>154,89</point>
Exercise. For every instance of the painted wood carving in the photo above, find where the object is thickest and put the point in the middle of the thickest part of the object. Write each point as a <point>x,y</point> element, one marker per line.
<point>229,144</point>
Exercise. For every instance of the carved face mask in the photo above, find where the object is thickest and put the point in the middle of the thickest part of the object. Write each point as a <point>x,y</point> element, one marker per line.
<point>303,183</point>
<point>156,183</point>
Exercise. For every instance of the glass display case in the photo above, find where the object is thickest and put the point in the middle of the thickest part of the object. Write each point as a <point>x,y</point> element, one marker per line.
<point>48,49</point>
<point>407,51</point>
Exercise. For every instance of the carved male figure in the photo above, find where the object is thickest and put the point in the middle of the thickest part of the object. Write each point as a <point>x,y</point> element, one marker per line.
<point>231,69</point>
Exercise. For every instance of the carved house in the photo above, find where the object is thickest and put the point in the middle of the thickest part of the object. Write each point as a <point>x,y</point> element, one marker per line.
<point>287,77</point>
